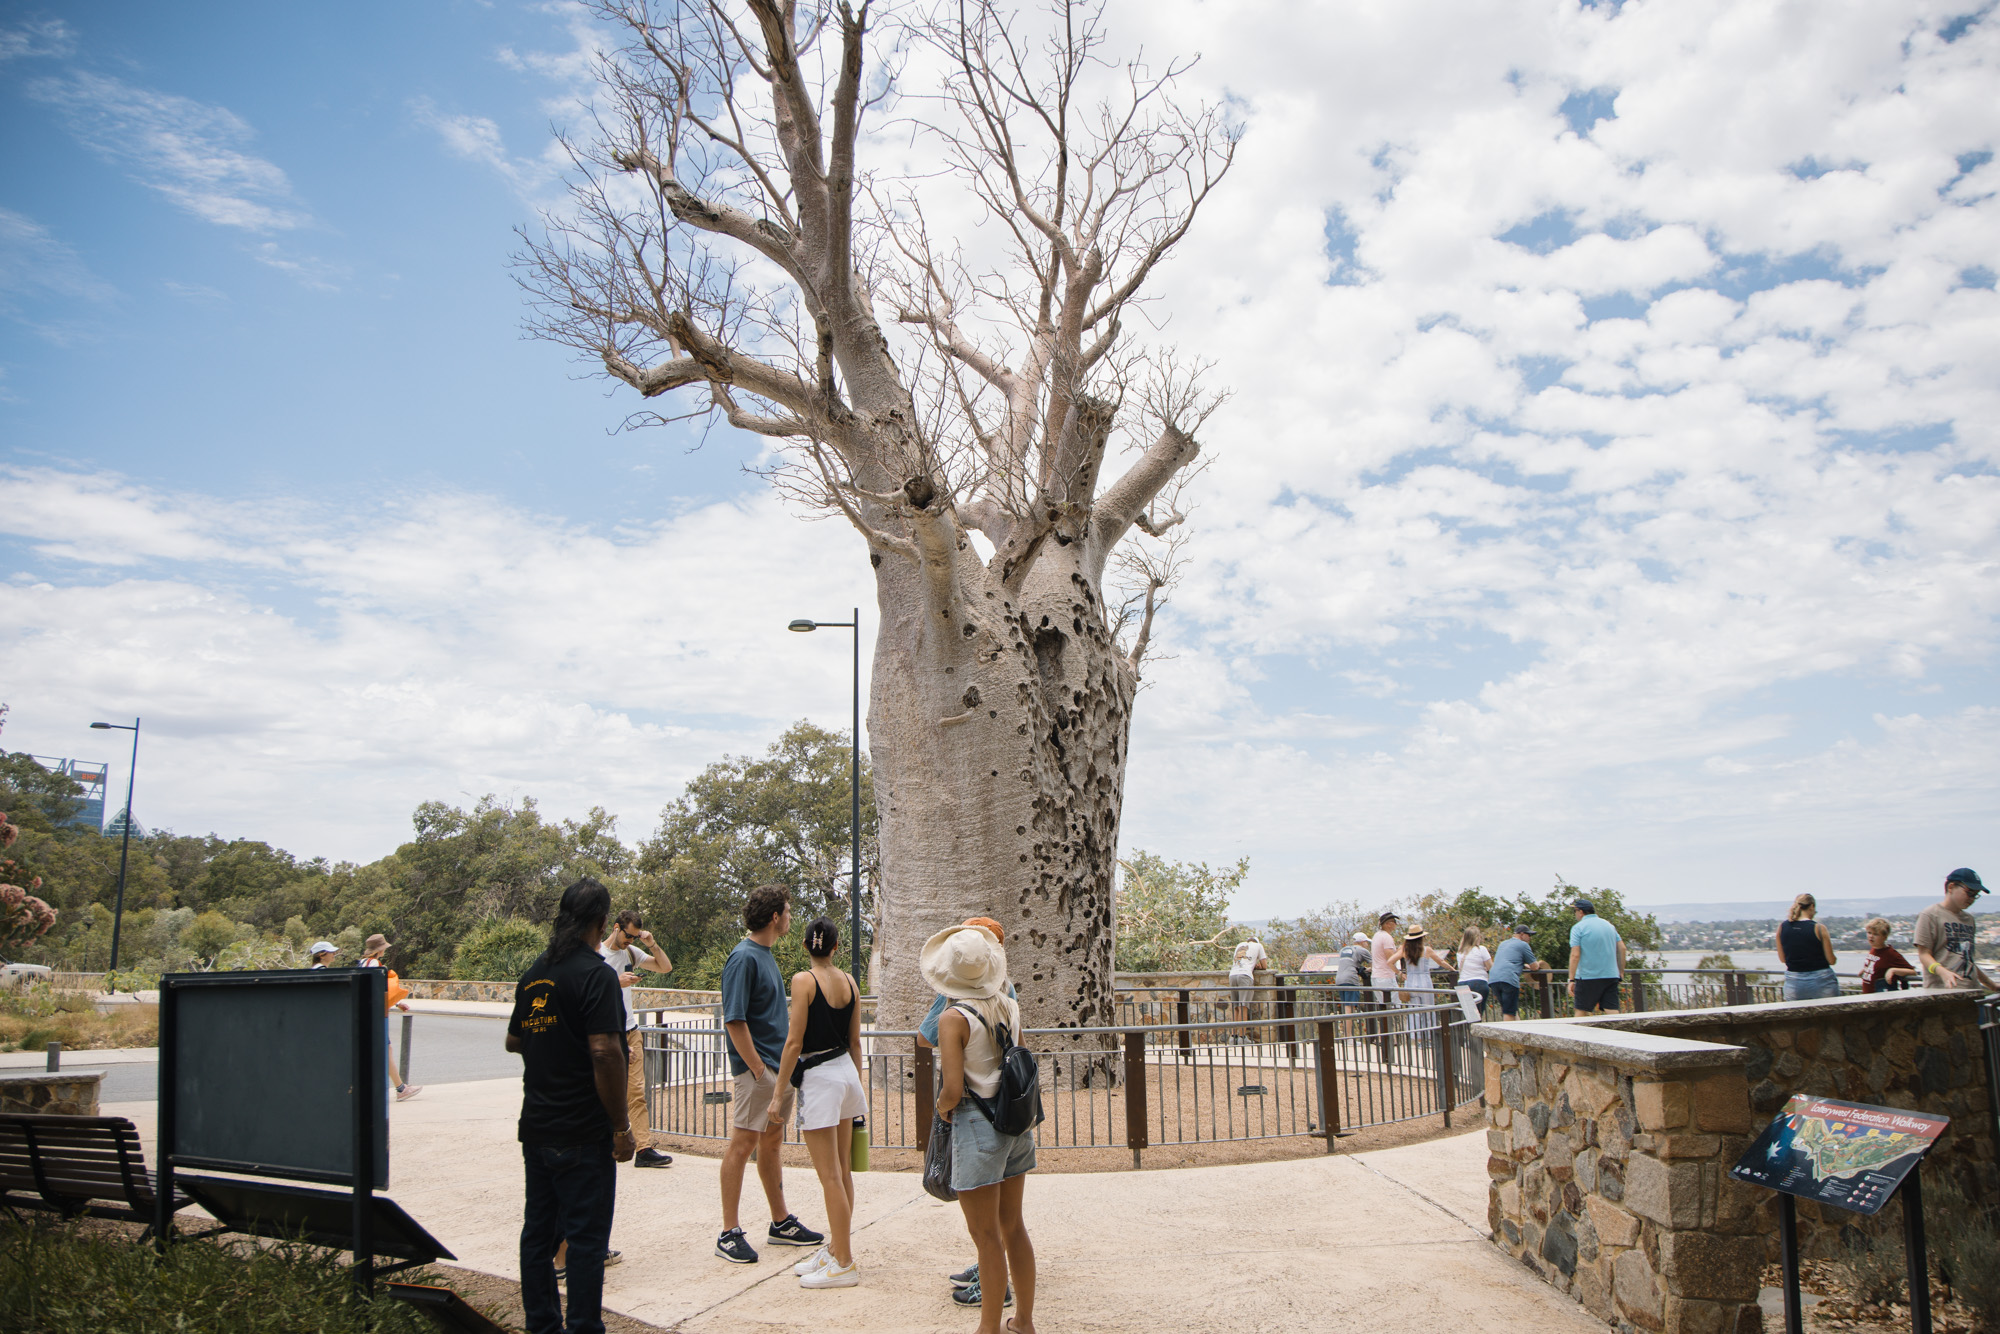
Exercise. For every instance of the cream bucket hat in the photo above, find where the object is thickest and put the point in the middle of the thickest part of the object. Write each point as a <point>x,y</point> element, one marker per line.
<point>964,963</point>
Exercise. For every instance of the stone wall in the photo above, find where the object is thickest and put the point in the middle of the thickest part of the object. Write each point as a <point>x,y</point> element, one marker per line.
<point>1610,1140</point>
<point>60,1093</point>
<point>1917,1050</point>
<point>642,997</point>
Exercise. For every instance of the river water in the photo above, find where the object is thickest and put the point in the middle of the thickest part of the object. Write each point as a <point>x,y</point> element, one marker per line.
<point>1846,962</point>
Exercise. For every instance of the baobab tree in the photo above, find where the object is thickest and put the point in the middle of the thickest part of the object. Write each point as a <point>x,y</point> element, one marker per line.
<point>943,343</point>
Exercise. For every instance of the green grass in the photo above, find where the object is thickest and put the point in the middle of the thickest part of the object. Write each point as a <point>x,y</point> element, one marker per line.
<point>61,1279</point>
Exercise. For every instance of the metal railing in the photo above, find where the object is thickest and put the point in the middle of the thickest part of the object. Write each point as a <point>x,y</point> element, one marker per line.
<point>1314,1069</point>
<point>1544,992</point>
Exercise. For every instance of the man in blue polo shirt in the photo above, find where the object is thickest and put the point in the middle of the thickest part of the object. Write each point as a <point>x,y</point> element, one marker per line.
<point>1596,961</point>
<point>756,1018</point>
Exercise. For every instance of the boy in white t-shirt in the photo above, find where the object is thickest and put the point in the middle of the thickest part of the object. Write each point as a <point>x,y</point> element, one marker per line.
<point>1247,960</point>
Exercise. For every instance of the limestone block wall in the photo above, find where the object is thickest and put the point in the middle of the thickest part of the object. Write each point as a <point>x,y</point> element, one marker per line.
<point>642,997</point>
<point>1608,1174</point>
<point>1610,1141</point>
<point>1917,1050</point>
<point>62,1093</point>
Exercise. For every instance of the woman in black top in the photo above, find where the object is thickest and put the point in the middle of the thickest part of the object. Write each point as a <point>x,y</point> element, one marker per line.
<point>822,1060</point>
<point>1807,953</point>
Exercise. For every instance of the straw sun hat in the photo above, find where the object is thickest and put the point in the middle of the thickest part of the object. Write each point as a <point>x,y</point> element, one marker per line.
<point>965,963</point>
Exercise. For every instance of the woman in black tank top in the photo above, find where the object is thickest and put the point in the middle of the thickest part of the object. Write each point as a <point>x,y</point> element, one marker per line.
<point>822,1059</point>
<point>1807,953</point>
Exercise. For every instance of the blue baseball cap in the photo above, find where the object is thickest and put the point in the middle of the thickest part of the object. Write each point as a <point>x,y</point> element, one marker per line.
<point>1585,905</point>
<point>1968,877</point>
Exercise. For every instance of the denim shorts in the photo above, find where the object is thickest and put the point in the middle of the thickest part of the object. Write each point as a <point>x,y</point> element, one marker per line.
<point>1509,996</point>
<point>981,1155</point>
<point>1819,984</point>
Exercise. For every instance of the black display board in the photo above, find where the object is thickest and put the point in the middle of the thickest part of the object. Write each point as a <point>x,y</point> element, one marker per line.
<point>265,1067</point>
<point>278,1074</point>
<point>1848,1154</point>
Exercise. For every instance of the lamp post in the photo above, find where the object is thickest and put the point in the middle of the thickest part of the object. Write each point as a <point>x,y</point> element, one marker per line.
<point>125,847</point>
<point>854,783</point>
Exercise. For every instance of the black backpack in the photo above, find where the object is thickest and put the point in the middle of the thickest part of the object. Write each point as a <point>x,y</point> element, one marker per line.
<point>1016,1107</point>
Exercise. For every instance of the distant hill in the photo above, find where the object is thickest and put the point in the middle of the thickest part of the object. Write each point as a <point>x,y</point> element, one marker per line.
<point>1890,905</point>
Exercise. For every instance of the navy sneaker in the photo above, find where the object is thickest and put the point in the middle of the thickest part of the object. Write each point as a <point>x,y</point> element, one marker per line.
<point>969,1296</point>
<point>965,1278</point>
<point>791,1232</point>
<point>651,1157</point>
<point>732,1247</point>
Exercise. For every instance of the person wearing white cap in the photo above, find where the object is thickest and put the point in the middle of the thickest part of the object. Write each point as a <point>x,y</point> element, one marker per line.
<point>988,1169</point>
<point>1351,969</point>
<point>323,952</point>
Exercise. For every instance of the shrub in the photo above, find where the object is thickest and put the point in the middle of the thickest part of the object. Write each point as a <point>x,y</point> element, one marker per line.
<point>498,950</point>
<point>63,1278</point>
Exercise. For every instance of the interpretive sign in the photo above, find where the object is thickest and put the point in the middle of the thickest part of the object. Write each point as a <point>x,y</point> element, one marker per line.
<point>1846,1154</point>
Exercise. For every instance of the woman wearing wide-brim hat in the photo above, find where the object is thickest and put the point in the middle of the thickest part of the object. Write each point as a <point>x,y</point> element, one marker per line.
<point>1416,959</point>
<point>989,1170</point>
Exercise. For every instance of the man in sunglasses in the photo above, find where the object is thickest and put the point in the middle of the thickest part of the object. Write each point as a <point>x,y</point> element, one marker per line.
<point>628,947</point>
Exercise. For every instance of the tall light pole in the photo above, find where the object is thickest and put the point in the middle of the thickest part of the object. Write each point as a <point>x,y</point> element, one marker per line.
<point>125,847</point>
<point>854,782</point>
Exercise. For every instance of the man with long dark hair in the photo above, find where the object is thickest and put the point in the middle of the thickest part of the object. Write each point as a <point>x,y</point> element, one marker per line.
<point>569,1027</point>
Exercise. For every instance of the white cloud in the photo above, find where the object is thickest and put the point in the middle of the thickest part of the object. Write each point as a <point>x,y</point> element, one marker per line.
<point>191,152</point>
<point>478,139</point>
<point>44,284</point>
<point>37,39</point>
<point>308,677</point>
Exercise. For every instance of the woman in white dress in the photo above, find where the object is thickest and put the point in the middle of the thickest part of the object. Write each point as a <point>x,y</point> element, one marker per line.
<point>1418,959</point>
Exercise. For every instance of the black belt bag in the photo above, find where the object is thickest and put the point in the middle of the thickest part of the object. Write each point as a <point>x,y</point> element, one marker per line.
<point>813,1061</point>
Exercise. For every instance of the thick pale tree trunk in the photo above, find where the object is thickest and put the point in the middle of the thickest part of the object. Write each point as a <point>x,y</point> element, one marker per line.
<point>998,738</point>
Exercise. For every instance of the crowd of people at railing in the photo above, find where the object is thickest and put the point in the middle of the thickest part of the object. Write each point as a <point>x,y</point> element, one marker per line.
<point>1398,966</point>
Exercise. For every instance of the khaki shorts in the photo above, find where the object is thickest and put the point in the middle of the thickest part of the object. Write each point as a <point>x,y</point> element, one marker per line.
<point>750,1101</point>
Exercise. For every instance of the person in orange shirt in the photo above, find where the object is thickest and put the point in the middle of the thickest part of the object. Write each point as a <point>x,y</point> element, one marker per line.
<point>371,957</point>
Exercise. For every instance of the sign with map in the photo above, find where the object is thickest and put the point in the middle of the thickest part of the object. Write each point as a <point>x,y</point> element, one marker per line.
<point>1847,1154</point>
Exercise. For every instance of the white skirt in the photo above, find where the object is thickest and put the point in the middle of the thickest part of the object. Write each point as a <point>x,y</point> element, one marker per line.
<point>830,1094</point>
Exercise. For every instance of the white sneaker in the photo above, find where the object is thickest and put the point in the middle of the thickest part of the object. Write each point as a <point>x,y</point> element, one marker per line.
<point>819,1259</point>
<point>833,1276</point>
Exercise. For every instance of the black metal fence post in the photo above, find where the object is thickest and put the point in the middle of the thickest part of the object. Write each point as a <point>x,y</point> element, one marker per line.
<point>1135,1095</point>
<point>926,1094</point>
<point>1327,1058</point>
<point>1181,1018</point>
<point>403,1056</point>
<point>1447,1082</point>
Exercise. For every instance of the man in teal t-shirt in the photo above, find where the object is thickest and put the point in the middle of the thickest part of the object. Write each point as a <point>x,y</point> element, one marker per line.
<point>1596,961</point>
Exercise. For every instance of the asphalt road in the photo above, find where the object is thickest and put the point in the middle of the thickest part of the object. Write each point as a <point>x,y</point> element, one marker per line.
<point>444,1049</point>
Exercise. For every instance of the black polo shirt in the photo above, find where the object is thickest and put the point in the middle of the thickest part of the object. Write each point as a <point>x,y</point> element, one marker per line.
<point>557,1007</point>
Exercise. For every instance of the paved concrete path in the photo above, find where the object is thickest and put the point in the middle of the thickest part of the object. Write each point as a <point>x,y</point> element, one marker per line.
<point>1395,1238</point>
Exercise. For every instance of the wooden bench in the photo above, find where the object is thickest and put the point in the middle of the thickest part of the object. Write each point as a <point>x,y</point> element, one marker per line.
<point>77,1166</point>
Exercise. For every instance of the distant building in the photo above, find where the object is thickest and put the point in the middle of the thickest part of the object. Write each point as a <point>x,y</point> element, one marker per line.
<point>90,774</point>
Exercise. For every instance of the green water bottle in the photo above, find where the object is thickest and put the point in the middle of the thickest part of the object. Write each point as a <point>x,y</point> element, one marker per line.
<point>860,1163</point>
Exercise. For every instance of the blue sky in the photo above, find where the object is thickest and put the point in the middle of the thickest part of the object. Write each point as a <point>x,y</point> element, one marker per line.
<point>1609,487</point>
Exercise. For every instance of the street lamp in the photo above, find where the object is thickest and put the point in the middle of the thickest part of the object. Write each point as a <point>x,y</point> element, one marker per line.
<point>125,847</point>
<point>854,781</point>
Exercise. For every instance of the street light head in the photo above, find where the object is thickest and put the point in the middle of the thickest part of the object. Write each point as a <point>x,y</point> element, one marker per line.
<point>803,626</point>
<point>102,727</point>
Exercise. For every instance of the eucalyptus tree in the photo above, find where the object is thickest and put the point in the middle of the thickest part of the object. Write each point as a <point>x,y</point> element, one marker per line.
<point>912,251</point>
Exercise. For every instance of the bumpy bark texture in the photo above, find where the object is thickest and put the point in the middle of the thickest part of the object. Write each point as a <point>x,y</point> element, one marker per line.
<point>999,748</point>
